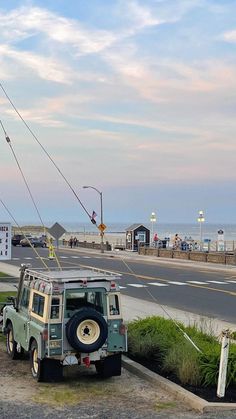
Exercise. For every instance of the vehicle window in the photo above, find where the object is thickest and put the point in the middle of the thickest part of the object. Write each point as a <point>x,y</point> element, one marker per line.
<point>91,298</point>
<point>38,304</point>
<point>114,308</point>
<point>55,308</point>
<point>25,297</point>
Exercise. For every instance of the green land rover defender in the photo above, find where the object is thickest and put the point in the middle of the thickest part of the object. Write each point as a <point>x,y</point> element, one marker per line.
<point>66,317</point>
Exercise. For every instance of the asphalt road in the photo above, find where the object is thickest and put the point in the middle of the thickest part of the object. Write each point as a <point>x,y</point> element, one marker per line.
<point>210,293</point>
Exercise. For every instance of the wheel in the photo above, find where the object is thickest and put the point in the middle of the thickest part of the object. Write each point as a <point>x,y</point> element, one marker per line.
<point>87,330</point>
<point>36,364</point>
<point>44,370</point>
<point>11,344</point>
<point>109,367</point>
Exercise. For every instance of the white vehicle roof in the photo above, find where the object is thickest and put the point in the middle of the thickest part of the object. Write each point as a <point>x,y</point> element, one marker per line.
<point>70,275</point>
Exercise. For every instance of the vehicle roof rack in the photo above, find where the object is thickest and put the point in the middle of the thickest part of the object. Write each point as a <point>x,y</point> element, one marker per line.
<point>71,275</point>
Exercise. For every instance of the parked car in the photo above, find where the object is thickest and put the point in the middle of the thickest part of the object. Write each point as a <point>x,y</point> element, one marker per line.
<point>34,241</point>
<point>66,318</point>
<point>15,241</point>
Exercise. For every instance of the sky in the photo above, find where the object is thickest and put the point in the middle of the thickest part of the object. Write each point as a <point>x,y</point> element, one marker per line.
<point>135,98</point>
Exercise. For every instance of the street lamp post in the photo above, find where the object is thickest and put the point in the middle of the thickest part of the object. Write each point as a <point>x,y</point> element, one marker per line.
<point>201,220</point>
<point>152,220</point>
<point>101,214</point>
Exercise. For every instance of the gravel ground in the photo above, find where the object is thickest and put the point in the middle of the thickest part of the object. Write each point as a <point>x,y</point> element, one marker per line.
<point>85,396</point>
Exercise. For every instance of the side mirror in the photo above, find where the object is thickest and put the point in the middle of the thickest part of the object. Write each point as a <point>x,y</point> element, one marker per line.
<point>12,300</point>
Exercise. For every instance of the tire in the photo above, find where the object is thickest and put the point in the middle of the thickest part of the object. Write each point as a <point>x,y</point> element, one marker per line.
<point>109,367</point>
<point>87,330</point>
<point>44,370</point>
<point>11,344</point>
<point>36,364</point>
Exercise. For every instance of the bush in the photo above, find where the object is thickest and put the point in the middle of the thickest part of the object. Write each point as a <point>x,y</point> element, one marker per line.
<point>183,360</point>
<point>151,336</point>
<point>162,340</point>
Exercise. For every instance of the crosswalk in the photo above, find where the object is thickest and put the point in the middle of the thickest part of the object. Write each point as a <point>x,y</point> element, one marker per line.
<point>166,283</point>
<point>60,257</point>
<point>175,283</point>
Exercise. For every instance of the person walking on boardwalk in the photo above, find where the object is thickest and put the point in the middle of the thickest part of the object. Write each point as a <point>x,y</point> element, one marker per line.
<point>71,242</point>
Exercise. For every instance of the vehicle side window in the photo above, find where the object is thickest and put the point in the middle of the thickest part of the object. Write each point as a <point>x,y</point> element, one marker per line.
<point>25,298</point>
<point>114,308</point>
<point>38,304</point>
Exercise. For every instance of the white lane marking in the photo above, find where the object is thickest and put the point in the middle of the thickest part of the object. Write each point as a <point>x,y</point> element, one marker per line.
<point>158,284</point>
<point>137,285</point>
<point>120,286</point>
<point>86,257</point>
<point>176,283</point>
<point>217,282</point>
<point>63,257</point>
<point>232,282</point>
<point>15,258</point>
<point>28,258</point>
<point>197,282</point>
<point>75,257</point>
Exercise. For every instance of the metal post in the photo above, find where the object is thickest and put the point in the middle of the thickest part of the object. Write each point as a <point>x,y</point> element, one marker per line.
<point>223,363</point>
<point>152,220</point>
<point>200,235</point>
<point>102,233</point>
<point>201,220</point>
<point>101,215</point>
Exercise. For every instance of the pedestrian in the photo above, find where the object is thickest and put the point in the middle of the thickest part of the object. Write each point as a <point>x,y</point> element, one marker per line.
<point>155,239</point>
<point>71,242</point>
<point>177,241</point>
<point>75,242</point>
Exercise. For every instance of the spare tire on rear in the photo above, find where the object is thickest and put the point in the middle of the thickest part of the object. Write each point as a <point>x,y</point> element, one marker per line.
<point>87,330</point>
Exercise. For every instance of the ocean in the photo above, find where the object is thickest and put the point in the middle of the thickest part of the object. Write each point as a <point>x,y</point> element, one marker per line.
<point>209,231</point>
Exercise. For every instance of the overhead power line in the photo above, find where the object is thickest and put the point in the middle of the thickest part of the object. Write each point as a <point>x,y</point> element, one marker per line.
<point>46,152</point>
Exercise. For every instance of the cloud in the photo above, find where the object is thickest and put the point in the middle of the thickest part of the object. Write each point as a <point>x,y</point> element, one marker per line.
<point>46,68</point>
<point>28,21</point>
<point>141,15</point>
<point>230,36</point>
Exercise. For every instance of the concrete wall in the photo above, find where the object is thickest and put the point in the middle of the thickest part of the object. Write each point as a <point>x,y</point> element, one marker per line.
<point>165,253</point>
<point>213,257</point>
<point>198,256</point>
<point>216,257</point>
<point>178,254</point>
<point>89,245</point>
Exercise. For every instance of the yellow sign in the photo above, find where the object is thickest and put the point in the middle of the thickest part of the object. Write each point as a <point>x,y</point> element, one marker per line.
<point>102,227</point>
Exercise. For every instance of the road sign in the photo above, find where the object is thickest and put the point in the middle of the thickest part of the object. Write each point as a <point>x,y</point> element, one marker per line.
<point>56,231</point>
<point>5,241</point>
<point>102,227</point>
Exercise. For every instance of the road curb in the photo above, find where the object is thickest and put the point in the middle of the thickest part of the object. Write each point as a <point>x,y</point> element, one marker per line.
<point>195,402</point>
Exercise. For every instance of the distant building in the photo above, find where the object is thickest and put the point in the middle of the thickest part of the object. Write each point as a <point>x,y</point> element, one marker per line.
<point>137,234</point>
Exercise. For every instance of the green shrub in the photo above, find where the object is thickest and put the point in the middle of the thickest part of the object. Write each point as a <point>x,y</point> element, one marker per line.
<point>182,359</point>
<point>160,339</point>
<point>209,366</point>
<point>151,337</point>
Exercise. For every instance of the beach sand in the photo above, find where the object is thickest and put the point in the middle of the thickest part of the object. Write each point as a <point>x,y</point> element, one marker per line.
<point>112,238</point>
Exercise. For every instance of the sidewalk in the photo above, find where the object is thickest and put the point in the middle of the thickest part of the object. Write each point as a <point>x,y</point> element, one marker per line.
<point>134,308</point>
